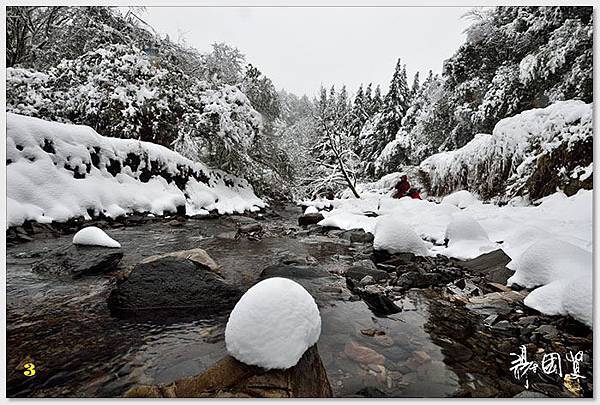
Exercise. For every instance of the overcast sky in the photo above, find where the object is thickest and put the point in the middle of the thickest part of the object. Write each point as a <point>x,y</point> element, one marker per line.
<point>302,48</point>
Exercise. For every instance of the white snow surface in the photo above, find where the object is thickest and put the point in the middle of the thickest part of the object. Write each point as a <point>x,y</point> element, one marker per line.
<point>41,185</point>
<point>467,238</point>
<point>273,324</point>
<point>460,199</point>
<point>94,236</point>
<point>547,242</point>
<point>395,236</point>
<point>311,210</point>
<point>504,160</point>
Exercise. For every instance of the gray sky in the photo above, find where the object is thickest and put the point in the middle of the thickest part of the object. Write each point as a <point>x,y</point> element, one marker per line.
<point>302,48</point>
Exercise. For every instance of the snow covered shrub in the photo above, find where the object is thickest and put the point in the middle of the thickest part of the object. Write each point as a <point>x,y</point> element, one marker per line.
<point>58,171</point>
<point>531,154</point>
<point>121,93</point>
<point>27,93</point>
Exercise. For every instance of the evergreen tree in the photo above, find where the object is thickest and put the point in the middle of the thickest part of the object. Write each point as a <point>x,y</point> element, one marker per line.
<point>414,89</point>
<point>377,101</point>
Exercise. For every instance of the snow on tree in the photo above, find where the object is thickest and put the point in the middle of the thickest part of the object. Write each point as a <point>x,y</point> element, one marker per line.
<point>530,155</point>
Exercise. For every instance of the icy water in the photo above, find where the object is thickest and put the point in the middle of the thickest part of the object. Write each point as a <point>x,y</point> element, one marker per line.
<point>64,326</point>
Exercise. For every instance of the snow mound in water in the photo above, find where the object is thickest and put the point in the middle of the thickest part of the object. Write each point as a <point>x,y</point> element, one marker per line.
<point>395,236</point>
<point>273,324</point>
<point>311,210</point>
<point>94,236</point>
<point>461,199</point>
<point>466,238</point>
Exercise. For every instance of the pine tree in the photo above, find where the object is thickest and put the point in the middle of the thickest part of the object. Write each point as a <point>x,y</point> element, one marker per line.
<point>376,102</point>
<point>395,105</point>
<point>368,97</point>
<point>414,90</point>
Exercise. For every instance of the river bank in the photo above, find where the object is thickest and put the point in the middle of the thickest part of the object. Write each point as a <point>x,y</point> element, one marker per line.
<point>416,328</point>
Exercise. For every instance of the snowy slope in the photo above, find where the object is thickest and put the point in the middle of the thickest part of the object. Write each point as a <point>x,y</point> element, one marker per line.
<point>531,153</point>
<point>58,171</point>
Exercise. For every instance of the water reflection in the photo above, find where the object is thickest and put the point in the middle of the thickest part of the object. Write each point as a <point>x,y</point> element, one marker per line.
<point>80,350</point>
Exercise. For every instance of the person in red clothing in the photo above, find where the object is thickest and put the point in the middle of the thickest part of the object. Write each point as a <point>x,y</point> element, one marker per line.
<point>402,187</point>
<point>414,194</point>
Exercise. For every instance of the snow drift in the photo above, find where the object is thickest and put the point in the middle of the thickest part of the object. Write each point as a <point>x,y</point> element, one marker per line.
<point>532,153</point>
<point>59,171</point>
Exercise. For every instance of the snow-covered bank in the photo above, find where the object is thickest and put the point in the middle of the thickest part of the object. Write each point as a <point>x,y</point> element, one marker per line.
<point>531,153</point>
<point>59,171</point>
<point>479,228</point>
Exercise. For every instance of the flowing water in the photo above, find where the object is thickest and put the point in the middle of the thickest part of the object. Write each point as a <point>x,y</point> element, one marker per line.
<point>64,326</point>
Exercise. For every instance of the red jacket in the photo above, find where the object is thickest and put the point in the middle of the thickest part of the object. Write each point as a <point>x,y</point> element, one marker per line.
<point>402,188</point>
<point>416,195</point>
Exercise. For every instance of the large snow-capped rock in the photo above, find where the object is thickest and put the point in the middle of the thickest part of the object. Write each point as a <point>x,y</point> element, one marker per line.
<point>395,236</point>
<point>533,153</point>
<point>58,171</point>
<point>273,324</point>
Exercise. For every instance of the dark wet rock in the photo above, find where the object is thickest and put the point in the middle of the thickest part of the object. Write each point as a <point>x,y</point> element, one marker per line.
<point>372,332</point>
<point>505,328</point>
<point>549,332</point>
<point>495,303</point>
<point>396,259</point>
<point>78,261</point>
<point>365,263</point>
<point>372,392</point>
<point>230,378</point>
<point>172,286</point>
<point>416,279</point>
<point>528,320</point>
<point>250,228</point>
<point>357,236</point>
<point>198,256</point>
<point>491,265</point>
<point>377,300</point>
<point>362,354</point>
<point>357,273</point>
<point>310,219</point>
<point>491,319</point>
<point>293,271</point>
<point>241,219</point>
<point>366,280</point>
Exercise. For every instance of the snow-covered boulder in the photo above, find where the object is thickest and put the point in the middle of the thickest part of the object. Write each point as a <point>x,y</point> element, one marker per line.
<point>94,236</point>
<point>572,297</point>
<point>58,171</point>
<point>564,272</point>
<point>466,238</point>
<point>461,199</point>
<point>547,261</point>
<point>311,210</point>
<point>395,236</point>
<point>273,324</point>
